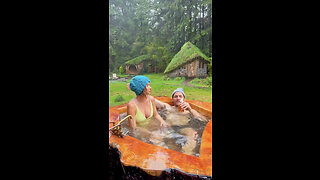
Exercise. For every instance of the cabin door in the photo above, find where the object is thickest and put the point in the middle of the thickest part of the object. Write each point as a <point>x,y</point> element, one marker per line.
<point>191,69</point>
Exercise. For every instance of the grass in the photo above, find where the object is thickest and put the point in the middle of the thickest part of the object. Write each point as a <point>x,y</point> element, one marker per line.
<point>207,82</point>
<point>160,87</point>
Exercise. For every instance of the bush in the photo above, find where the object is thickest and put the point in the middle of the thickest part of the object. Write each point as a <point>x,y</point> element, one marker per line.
<point>178,78</point>
<point>208,81</point>
<point>166,78</point>
<point>121,70</point>
<point>210,67</point>
<point>119,98</point>
<point>195,81</point>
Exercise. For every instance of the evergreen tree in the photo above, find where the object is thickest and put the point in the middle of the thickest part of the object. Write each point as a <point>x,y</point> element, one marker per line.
<point>158,28</point>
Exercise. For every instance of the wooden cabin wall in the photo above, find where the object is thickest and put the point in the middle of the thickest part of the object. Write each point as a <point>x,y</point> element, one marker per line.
<point>191,70</point>
<point>201,69</point>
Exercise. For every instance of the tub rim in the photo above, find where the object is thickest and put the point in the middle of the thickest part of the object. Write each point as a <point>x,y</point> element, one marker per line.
<point>196,165</point>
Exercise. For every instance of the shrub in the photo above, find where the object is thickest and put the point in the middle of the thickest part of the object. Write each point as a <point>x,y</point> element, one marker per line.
<point>210,67</point>
<point>178,78</point>
<point>166,78</point>
<point>121,70</point>
<point>196,81</point>
<point>119,98</point>
<point>208,81</point>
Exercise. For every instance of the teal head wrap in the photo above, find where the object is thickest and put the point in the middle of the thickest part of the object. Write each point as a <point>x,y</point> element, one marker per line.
<point>138,83</point>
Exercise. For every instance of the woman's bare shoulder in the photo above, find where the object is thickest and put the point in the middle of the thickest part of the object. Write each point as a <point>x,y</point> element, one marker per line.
<point>131,103</point>
<point>151,98</point>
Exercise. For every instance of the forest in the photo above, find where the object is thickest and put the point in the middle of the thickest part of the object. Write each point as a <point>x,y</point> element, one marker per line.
<point>157,28</point>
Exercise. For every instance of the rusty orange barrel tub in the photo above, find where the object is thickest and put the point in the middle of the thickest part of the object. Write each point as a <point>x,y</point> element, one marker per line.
<point>155,159</point>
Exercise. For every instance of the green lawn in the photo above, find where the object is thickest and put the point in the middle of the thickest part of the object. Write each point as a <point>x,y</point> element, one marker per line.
<point>160,87</point>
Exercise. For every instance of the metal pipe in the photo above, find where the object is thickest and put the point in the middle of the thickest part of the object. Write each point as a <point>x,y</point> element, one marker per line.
<point>120,122</point>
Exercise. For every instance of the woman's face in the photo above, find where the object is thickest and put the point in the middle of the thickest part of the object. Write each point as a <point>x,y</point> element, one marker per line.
<point>147,89</point>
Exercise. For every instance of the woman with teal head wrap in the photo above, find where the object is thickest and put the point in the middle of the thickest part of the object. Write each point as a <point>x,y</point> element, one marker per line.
<point>142,108</point>
<point>138,83</point>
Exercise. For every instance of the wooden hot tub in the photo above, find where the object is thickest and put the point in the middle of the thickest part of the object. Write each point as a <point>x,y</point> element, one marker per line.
<point>155,159</point>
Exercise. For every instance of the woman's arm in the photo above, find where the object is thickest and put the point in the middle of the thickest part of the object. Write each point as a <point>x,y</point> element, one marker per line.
<point>131,110</point>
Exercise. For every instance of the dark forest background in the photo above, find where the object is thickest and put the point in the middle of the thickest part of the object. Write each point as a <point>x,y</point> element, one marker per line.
<point>158,28</point>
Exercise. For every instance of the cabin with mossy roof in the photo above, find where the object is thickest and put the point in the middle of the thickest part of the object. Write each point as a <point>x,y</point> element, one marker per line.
<point>135,66</point>
<point>189,62</point>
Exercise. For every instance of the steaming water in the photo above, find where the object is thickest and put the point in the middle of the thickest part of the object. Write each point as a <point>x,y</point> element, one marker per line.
<point>184,135</point>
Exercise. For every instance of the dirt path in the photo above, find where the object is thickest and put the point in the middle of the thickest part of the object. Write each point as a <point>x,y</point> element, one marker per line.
<point>186,82</point>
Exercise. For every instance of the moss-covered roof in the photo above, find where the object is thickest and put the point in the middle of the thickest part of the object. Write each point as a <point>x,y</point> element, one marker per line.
<point>187,54</point>
<point>138,60</point>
